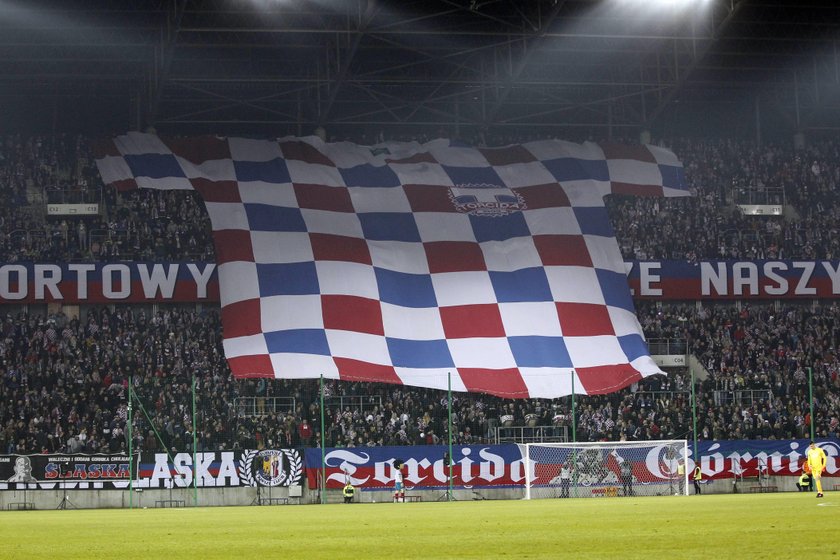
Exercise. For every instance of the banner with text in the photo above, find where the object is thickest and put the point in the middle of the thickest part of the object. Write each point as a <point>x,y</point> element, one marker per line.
<point>761,458</point>
<point>264,467</point>
<point>49,472</point>
<point>487,466</point>
<point>761,279</point>
<point>473,466</point>
<point>373,467</point>
<point>754,460</point>
<point>194,282</point>
<point>108,282</point>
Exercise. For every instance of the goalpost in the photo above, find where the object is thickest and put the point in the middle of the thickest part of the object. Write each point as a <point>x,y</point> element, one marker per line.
<point>605,469</point>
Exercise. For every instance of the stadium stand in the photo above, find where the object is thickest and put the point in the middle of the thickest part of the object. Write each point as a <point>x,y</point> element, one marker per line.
<point>173,225</point>
<point>68,376</point>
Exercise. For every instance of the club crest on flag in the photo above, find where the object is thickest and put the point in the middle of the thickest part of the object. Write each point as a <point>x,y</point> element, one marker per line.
<point>271,467</point>
<point>486,200</point>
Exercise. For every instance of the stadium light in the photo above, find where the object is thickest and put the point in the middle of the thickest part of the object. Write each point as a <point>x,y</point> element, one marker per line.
<point>268,4</point>
<point>667,2</point>
<point>664,4</point>
<point>18,13</point>
<point>662,8</point>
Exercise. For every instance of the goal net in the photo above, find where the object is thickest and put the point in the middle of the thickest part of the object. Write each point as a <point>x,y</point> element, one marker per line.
<point>605,469</point>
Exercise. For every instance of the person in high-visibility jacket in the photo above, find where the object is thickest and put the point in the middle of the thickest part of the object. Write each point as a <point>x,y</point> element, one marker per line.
<point>816,459</point>
<point>681,475</point>
<point>698,476</point>
<point>804,484</point>
<point>806,475</point>
<point>348,492</point>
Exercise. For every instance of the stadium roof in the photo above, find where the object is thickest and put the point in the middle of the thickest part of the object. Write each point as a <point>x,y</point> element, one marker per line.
<point>602,67</point>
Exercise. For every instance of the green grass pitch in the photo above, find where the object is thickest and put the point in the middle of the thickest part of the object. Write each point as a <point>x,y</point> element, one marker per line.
<point>777,526</point>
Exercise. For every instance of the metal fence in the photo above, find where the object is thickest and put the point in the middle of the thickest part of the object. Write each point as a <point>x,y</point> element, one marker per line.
<point>531,434</point>
<point>668,346</point>
<point>262,406</point>
<point>742,396</point>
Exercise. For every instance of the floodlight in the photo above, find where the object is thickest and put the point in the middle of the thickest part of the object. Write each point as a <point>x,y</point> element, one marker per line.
<point>663,3</point>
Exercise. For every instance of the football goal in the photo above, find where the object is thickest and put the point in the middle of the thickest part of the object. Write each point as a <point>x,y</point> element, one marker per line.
<point>605,469</point>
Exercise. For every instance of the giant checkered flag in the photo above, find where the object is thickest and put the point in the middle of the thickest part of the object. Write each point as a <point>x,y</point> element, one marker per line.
<point>405,262</point>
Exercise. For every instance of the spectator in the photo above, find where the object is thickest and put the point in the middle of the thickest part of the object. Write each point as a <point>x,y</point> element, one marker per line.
<point>68,376</point>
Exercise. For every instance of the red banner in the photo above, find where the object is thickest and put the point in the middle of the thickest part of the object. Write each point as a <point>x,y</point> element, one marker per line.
<point>108,282</point>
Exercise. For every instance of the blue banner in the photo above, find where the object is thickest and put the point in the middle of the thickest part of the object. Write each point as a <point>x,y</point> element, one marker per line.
<point>473,466</point>
<point>478,466</point>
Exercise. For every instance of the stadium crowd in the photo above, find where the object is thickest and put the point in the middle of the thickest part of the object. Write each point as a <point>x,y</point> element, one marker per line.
<point>67,383</point>
<point>66,379</point>
<point>132,226</point>
<point>147,224</point>
<point>710,226</point>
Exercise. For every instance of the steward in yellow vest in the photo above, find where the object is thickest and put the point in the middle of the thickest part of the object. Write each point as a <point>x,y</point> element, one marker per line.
<point>348,493</point>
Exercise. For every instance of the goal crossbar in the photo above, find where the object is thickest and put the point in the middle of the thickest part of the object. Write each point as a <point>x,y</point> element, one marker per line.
<point>605,469</point>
